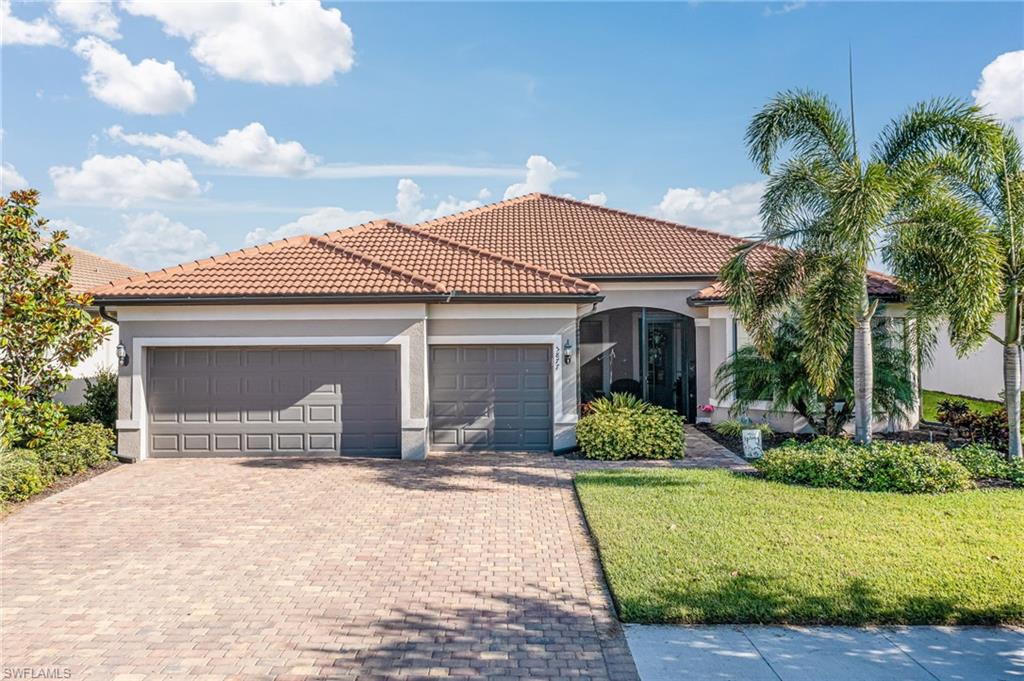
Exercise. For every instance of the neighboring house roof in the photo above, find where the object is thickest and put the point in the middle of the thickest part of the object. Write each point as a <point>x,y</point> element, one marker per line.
<point>89,270</point>
<point>375,259</point>
<point>532,246</point>
<point>588,241</point>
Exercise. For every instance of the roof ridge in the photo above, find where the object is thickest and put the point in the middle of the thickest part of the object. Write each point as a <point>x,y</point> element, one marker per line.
<point>660,221</point>
<point>500,257</point>
<point>166,272</point>
<point>413,277</point>
<point>532,196</point>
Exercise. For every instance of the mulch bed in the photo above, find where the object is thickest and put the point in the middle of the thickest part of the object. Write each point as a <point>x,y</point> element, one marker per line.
<point>59,486</point>
<point>926,432</point>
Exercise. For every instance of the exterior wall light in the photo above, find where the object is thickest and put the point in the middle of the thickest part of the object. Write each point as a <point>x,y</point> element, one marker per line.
<point>122,355</point>
<point>567,351</point>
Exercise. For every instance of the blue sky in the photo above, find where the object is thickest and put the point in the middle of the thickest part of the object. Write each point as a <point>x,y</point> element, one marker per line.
<point>412,110</point>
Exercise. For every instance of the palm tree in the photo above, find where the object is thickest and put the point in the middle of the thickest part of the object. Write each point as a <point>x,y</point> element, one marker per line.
<point>976,199</point>
<point>782,379</point>
<point>830,210</point>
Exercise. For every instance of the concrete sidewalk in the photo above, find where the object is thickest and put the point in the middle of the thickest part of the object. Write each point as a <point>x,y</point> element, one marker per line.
<point>758,653</point>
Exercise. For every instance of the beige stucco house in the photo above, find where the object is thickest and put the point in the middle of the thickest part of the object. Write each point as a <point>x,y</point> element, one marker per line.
<point>485,329</point>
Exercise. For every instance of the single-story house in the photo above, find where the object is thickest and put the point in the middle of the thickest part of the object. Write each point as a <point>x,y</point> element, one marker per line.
<point>486,329</point>
<point>88,271</point>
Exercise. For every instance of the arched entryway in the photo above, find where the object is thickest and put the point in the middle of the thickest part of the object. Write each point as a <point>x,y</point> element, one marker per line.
<point>646,351</point>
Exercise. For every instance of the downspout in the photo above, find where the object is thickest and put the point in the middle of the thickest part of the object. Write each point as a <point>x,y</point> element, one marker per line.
<point>105,315</point>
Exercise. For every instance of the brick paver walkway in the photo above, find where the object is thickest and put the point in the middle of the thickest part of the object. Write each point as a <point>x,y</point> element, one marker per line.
<point>462,565</point>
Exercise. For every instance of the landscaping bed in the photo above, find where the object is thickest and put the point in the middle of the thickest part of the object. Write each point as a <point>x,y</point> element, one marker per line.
<point>59,485</point>
<point>698,546</point>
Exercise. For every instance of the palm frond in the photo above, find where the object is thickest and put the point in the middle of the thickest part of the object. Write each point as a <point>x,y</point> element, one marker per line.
<point>808,121</point>
<point>938,124</point>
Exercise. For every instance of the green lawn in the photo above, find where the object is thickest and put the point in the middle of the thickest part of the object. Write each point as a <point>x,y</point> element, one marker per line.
<point>690,546</point>
<point>930,404</point>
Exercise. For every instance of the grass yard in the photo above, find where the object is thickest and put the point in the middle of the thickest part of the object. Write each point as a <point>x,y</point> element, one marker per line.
<point>930,404</point>
<point>698,546</point>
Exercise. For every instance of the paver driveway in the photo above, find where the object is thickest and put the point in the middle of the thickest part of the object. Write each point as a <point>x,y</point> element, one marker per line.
<point>464,564</point>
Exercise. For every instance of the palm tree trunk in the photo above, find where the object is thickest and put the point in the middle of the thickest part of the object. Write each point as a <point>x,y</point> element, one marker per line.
<point>863,371</point>
<point>1011,382</point>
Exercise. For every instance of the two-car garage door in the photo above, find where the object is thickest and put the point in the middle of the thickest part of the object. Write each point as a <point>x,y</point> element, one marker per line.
<point>244,401</point>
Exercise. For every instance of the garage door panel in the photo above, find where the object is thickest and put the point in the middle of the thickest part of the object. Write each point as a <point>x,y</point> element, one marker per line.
<point>268,401</point>
<point>490,397</point>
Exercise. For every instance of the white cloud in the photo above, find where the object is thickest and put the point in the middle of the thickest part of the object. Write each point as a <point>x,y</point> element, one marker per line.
<point>76,232</point>
<point>96,17</point>
<point>11,179</point>
<point>784,7</point>
<point>282,43</point>
<point>483,194</point>
<point>409,206</point>
<point>151,241</point>
<point>149,87</point>
<point>1000,89</point>
<point>123,180</point>
<point>540,175</point>
<point>17,31</point>
<point>317,222</point>
<point>733,210</point>
<point>251,149</point>
<point>348,171</point>
<point>598,199</point>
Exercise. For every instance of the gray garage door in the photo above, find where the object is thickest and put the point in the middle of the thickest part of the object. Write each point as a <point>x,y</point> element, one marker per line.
<point>272,401</point>
<point>490,397</point>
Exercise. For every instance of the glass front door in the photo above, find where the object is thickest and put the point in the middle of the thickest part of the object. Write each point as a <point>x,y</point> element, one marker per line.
<point>663,375</point>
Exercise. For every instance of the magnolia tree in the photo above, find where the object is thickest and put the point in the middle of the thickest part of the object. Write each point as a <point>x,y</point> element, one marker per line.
<point>44,328</point>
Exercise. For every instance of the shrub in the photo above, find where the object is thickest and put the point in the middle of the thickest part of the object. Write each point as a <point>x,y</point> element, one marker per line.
<point>78,413</point>
<point>21,475</point>
<point>982,461</point>
<point>991,429</point>
<point>879,467</point>
<point>622,427</point>
<point>81,446</point>
<point>735,428</point>
<point>101,398</point>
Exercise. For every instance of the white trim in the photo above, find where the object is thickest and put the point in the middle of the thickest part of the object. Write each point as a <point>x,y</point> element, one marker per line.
<point>664,285</point>
<point>503,311</point>
<point>227,313</point>
<point>554,340</point>
<point>139,419</point>
<point>701,322</point>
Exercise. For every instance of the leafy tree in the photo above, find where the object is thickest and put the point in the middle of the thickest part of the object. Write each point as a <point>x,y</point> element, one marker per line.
<point>782,379</point>
<point>44,328</point>
<point>967,230</point>
<point>830,210</point>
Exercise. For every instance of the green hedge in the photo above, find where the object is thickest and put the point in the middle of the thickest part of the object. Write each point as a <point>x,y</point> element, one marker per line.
<point>25,472</point>
<point>880,467</point>
<point>618,429</point>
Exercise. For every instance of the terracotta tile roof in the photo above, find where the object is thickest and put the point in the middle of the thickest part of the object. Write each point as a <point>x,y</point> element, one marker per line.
<point>456,266</point>
<point>89,270</point>
<point>379,258</point>
<point>535,245</point>
<point>879,286</point>
<point>587,240</point>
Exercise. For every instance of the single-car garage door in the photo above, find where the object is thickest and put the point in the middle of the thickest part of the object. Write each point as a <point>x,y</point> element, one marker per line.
<point>273,401</point>
<point>490,397</point>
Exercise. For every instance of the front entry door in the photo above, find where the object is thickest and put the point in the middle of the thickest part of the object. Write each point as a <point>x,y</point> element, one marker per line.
<point>663,370</point>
